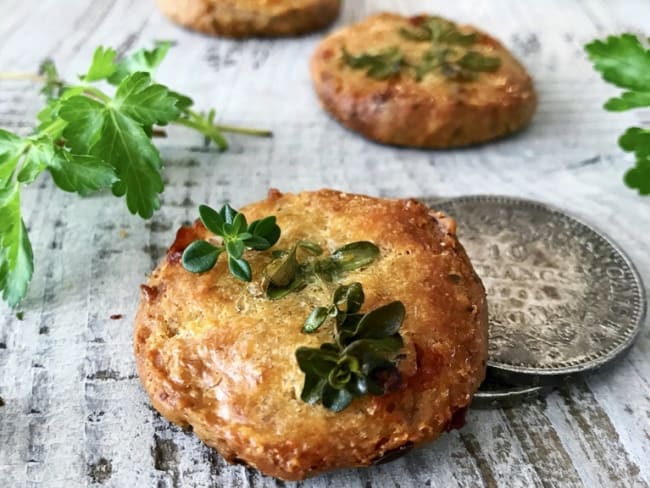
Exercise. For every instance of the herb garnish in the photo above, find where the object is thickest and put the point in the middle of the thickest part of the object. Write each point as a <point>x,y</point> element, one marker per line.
<point>286,274</point>
<point>383,65</point>
<point>89,140</point>
<point>439,31</point>
<point>361,360</point>
<point>625,62</point>
<point>237,234</point>
<point>448,54</point>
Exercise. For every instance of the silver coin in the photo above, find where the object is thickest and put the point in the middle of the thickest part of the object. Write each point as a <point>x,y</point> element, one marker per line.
<point>563,298</point>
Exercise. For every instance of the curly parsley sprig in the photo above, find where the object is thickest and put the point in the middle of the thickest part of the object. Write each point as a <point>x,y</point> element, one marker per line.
<point>89,139</point>
<point>625,62</point>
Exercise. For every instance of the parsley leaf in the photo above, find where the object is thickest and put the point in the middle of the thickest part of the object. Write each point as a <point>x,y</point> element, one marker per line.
<point>622,61</point>
<point>142,60</point>
<point>625,62</point>
<point>11,149</point>
<point>16,258</point>
<point>102,66</point>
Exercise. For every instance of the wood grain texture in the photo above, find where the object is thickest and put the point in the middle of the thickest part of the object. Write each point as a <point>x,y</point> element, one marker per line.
<point>72,411</point>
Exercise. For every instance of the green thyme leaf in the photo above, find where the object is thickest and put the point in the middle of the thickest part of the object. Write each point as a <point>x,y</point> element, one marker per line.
<point>316,362</point>
<point>281,272</point>
<point>276,292</point>
<point>475,61</point>
<point>622,60</point>
<point>16,257</point>
<point>235,249</point>
<point>286,267</point>
<point>381,322</point>
<point>355,255</point>
<point>312,389</point>
<point>315,319</point>
<point>383,65</point>
<point>334,399</point>
<point>311,247</point>
<point>265,233</point>
<point>200,256</point>
<point>90,139</point>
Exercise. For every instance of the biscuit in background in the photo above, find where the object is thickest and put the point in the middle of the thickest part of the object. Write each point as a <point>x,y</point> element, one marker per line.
<point>421,82</point>
<point>252,18</point>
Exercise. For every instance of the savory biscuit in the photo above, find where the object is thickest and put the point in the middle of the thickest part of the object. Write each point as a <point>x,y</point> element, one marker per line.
<point>215,354</point>
<point>421,82</point>
<point>252,18</point>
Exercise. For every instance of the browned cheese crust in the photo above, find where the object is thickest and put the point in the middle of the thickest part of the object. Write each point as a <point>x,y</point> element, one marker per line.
<point>214,353</point>
<point>252,18</point>
<point>433,113</point>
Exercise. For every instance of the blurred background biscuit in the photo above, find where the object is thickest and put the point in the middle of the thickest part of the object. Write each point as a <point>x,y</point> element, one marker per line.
<point>252,18</point>
<point>421,81</point>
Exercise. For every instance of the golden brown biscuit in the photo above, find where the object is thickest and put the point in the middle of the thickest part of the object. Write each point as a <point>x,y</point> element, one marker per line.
<point>252,18</point>
<point>215,355</point>
<point>448,106</point>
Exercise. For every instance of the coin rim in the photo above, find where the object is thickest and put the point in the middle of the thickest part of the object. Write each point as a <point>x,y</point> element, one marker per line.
<point>544,374</point>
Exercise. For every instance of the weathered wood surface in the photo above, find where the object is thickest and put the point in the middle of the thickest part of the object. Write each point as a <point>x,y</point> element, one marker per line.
<point>73,412</point>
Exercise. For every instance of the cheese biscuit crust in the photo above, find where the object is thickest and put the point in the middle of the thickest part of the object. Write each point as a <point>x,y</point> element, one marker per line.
<point>214,353</point>
<point>435,112</point>
<point>252,18</point>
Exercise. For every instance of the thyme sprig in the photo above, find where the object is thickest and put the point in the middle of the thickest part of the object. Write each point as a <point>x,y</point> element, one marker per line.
<point>362,358</point>
<point>287,274</point>
<point>201,256</point>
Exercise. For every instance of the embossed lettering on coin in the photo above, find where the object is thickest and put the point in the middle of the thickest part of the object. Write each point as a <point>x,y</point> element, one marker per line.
<point>562,297</point>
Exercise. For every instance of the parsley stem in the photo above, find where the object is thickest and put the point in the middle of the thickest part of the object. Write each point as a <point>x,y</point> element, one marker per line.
<point>208,131</point>
<point>245,131</point>
<point>22,76</point>
<point>94,92</point>
<point>54,127</point>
